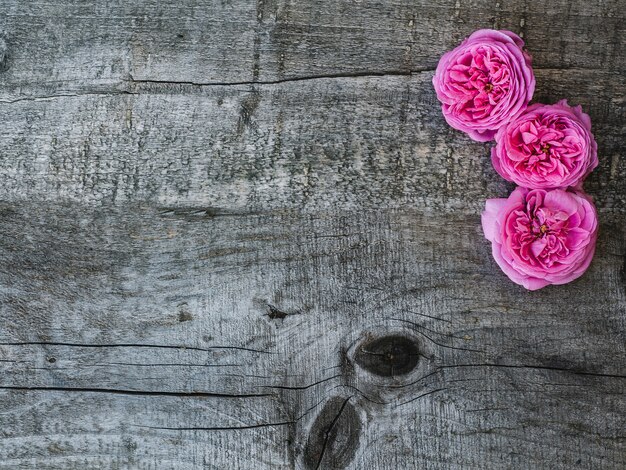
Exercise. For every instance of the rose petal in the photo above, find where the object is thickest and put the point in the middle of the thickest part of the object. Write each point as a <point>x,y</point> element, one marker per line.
<point>541,237</point>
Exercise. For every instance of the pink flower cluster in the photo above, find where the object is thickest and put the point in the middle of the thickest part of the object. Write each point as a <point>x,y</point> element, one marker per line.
<point>545,231</point>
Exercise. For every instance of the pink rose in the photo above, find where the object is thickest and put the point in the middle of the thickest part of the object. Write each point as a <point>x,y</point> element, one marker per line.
<point>548,146</point>
<point>541,237</point>
<point>484,82</point>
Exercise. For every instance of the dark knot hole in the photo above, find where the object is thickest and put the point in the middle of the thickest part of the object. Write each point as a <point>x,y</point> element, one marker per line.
<point>388,355</point>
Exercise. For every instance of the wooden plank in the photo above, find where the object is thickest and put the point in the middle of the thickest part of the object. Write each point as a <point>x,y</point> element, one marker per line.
<point>63,44</point>
<point>143,338</point>
<point>347,142</point>
<point>239,234</point>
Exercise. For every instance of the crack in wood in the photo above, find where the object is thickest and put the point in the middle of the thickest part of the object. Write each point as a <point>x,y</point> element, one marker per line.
<point>135,392</point>
<point>537,367</point>
<point>133,345</point>
<point>302,387</point>
<point>132,80</point>
<point>421,396</point>
<point>67,95</point>
<point>441,368</point>
<point>164,364</point>
<point>217,428</point>
<point>418,329</point>
<point>360,393</point>
<point>391,73</point>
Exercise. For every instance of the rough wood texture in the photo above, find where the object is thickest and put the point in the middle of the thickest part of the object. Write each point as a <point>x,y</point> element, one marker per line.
<point>239,234</point>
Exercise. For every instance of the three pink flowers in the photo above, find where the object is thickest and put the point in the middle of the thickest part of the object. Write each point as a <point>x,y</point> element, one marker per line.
<point>545,231</point>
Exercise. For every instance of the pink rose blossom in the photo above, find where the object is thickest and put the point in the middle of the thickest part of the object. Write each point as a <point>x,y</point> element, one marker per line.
<point>541,237</point>
<point>547,146</point>
<point>484,82</point>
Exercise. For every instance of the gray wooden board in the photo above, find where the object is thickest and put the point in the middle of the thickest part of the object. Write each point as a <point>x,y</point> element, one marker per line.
<point>239,234</point>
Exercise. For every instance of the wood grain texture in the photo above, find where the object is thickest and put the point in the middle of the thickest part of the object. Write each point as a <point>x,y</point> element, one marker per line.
<point>365,142</point>
<point>239,234</point>
<point>153,327</point>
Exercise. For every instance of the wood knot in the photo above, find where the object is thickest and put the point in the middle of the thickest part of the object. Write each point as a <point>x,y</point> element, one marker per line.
<point>334,436</point>
<point>184,314</point>
<point>274,313</point>
<point>388,356</point>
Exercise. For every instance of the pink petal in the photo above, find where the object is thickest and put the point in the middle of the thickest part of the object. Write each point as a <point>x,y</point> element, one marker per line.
<point>527,137</point>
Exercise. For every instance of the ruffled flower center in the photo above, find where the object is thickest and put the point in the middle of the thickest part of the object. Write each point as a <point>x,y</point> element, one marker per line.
<point>539,235</point>
<point>481,78</point>
<point>548,145</point>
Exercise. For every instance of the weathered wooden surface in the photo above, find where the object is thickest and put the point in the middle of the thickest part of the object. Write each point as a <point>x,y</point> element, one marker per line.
<point>239,234</point>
